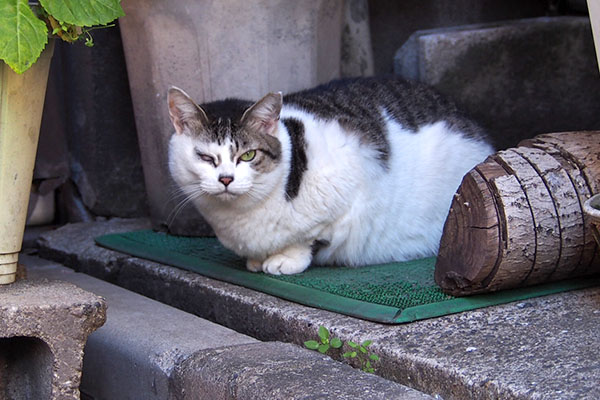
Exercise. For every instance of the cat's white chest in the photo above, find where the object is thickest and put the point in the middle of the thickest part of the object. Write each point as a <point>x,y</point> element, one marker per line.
<point>254,233</point>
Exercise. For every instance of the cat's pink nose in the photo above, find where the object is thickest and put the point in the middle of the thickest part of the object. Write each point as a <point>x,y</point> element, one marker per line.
<point>226,180</point>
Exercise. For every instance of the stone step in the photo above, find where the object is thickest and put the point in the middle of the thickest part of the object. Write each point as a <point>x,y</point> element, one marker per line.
<point>149,350</point>
<point>545,347</point>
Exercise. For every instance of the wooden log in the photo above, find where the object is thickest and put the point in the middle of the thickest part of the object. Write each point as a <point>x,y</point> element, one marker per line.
<point>565,200</point>
<point>577,152</point>
<point>547,235</point>
<point>517,219</point>
<point>467,260</point>
<point>582,148</point>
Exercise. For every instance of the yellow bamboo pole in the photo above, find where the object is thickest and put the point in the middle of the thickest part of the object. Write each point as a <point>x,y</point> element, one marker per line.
<point>21,105</point>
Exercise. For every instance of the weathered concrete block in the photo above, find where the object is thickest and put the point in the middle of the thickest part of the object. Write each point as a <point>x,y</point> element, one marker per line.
<point>393,21</point>
<point>214,50</point>
<point>518,79</point>
<point>44,326</point>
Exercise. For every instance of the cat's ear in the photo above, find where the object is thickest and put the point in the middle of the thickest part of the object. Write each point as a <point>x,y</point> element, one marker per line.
<point>185,114</point>
<point>263,116</point>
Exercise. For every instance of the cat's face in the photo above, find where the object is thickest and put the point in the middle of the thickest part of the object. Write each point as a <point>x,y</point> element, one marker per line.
<point>227,152</point>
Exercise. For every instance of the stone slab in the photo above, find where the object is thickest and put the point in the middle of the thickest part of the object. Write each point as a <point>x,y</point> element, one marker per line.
<point>44,326</point>
<point>542,348</point>
<point>517,78</point>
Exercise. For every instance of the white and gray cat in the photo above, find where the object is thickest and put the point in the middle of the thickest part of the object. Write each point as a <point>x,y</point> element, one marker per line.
<point>353,172</point>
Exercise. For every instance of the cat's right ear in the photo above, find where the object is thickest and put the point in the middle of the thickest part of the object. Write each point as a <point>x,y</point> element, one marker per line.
<point>185,114</point>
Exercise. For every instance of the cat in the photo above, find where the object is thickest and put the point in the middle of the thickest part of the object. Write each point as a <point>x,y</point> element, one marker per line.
<point>353,172</point>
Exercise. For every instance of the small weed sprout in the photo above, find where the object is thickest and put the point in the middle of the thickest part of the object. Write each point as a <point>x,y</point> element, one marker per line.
<point>361,353</point>
<point>324,343</point>
<point>358,351</point>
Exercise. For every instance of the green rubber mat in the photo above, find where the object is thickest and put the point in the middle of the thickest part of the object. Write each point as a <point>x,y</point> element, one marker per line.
<point>390,293</point>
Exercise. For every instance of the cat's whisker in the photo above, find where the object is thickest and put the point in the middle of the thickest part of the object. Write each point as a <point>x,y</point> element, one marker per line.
<point>198,192</point>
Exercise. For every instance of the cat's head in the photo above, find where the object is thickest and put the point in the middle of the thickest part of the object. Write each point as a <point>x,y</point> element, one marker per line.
<point>225,151</point>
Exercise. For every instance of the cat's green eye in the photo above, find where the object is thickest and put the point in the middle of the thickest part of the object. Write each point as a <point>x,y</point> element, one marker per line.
<point>248,156</point>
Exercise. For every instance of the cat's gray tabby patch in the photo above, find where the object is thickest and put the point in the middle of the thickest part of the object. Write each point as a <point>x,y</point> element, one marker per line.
<point>357,104</point>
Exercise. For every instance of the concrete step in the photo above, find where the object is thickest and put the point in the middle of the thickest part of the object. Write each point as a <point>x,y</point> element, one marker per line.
<point>545,347</point>
<point>149,350</point>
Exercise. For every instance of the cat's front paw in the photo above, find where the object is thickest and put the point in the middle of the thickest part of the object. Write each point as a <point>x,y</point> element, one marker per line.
<point>253,265</point>
<point>290,261</point>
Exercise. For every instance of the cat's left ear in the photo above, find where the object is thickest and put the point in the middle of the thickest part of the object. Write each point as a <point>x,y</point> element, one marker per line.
<point>263,116</point>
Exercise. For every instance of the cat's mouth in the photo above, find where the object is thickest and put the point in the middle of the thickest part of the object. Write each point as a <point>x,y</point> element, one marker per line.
<point>226,195</point>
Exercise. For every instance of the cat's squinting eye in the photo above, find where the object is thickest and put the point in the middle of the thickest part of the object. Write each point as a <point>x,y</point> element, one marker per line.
<point>206,157</point>
<point>248,156</point>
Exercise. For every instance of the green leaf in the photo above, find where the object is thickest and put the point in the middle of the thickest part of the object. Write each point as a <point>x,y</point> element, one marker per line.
<point>22,35</point>
<point>348,354</point>
<point>374,357</point>
<point>323,334</point>
<point>336,343</point>
<point>84,12</point>
<point>362,349</point>
<point>367,343</point>
<point>311,344</point>
<point>323,348</point>
<point>352,344</point>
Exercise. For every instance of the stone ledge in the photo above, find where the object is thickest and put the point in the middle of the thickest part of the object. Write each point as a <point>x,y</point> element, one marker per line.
<point>542,348</point>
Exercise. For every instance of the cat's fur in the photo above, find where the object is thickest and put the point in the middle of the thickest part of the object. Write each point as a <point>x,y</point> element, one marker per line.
<point>353,172</point>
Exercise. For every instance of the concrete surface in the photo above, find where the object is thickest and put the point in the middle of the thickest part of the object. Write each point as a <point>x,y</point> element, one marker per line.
<point>149,350</point>
<point>517,78</point>
<point>43,329</point>
<point>541,348</point>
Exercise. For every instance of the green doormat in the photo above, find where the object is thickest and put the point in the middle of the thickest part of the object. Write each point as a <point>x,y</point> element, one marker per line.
<point>391,293</point>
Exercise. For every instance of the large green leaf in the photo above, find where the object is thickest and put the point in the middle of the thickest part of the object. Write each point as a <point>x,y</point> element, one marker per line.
<point>84,12</point>
<point>22,35</point>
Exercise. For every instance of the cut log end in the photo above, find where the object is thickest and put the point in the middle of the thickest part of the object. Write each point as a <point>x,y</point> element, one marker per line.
<point>469,246</point>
